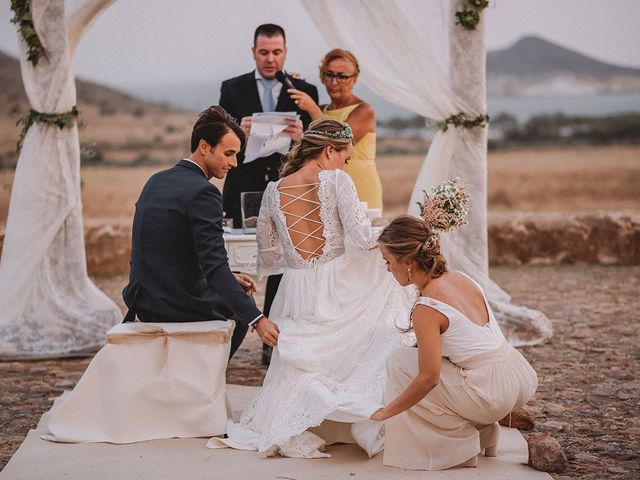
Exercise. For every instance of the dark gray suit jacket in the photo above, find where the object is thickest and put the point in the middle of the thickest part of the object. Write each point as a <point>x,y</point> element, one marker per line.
<point>179,265</point>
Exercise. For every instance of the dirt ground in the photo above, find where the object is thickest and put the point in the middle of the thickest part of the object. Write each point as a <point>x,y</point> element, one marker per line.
<point>589,391</point>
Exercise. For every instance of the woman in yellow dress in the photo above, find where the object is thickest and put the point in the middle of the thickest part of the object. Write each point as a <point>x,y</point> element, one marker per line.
<point>339,71</point>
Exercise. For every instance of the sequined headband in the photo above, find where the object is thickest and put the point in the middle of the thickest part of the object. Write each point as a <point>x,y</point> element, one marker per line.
<point>344,133</point>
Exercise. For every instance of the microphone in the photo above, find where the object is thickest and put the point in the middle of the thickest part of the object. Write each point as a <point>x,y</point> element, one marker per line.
<point>282,78</point>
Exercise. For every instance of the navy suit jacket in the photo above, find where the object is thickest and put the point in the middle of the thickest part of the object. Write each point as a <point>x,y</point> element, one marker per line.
<point>179,266</point>
<point>239,97</point>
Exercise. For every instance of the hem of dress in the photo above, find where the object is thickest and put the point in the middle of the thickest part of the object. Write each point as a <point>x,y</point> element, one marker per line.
<point>277,444</point>
<point>426,468</point>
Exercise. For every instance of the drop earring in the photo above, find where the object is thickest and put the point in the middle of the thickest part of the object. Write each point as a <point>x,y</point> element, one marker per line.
<point>409,273</point>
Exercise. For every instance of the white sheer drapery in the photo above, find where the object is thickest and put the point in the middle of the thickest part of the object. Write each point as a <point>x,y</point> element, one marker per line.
<point>412,54</point>
<point>409,55</point>
<point>48,304</point>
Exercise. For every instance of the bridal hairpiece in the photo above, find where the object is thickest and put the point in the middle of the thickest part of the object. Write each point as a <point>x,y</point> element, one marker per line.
<point>446,207</point>
<point>346,132</point>
<point>432,242</point>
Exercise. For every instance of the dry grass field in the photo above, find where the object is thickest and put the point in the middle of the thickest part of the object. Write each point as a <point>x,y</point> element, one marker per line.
<point>120,137</point>
<point>545,179</point>
<point>551,179</point>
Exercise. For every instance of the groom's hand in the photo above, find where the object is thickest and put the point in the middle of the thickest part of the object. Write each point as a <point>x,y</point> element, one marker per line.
<point>268,331</point>
<point>246,282</point>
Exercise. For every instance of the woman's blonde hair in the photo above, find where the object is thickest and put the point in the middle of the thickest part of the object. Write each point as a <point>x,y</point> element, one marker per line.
<point>339,53</point>
<point>313,142</point>
<point>411,238</point>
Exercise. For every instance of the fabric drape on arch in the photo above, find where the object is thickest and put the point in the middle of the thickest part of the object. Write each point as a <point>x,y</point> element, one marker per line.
<point>412,54</point>
<point>48,305</point>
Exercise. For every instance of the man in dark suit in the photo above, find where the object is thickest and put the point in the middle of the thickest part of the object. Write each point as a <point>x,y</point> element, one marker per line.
<point>179,268</point>
<point>259,91</point>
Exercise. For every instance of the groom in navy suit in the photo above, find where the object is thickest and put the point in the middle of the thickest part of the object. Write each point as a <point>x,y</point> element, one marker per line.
<point>259,91</point>
<point>179,266</point>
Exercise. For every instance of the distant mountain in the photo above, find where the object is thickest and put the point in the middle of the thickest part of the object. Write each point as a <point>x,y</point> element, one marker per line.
<point>536,66</point>
<point>106,100</point>
<point>532,66</point>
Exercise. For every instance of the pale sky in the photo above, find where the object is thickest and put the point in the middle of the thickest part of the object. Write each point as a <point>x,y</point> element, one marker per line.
<point>143,41</point>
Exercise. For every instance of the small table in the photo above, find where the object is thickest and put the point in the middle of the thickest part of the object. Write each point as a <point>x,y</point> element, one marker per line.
<point>242,250</point>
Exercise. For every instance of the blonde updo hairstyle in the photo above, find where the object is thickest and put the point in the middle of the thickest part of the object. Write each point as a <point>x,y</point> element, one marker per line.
<point>311,145</point>
<point>335,54</point>
<point>411,238</point>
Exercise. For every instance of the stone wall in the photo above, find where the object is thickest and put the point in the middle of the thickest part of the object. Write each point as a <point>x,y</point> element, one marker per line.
<point>108,246</point>
<point>514,239</point>
<point>610,238</point>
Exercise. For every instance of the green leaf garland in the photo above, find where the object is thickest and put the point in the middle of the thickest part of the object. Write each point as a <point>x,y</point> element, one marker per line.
<point>22,17</point>
<point>469,16</point>
<point>60,120</point>
<point>461,120</point>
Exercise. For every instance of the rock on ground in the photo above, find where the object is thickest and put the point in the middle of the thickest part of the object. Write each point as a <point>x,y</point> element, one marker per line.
<point>546,454</point>
<point>522,419</point>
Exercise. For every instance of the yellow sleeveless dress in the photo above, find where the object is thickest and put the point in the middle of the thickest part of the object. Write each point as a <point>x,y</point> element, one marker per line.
<point>362,166</point>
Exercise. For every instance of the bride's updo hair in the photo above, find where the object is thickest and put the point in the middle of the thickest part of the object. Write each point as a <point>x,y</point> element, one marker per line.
<point>312,143</point>
<point>411,238</point>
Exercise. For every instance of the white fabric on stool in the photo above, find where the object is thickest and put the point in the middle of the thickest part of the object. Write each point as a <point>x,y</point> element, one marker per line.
<point>151,381</point>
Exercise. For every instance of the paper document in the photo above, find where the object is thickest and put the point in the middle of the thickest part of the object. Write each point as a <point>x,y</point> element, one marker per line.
<point>266,135</point>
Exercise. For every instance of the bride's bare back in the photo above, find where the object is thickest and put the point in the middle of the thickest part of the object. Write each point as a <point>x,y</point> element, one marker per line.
<point>300,204</point>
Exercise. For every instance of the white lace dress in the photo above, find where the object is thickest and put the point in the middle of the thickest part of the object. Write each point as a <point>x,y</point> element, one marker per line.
<point>337,316</point>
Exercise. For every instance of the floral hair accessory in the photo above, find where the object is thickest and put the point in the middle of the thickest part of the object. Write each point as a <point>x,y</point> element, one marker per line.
<point>346,132</point>
<point>432,242</point>
<point>446,207</point>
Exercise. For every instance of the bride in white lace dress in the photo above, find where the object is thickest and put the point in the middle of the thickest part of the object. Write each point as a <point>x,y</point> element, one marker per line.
<point>336,307</point>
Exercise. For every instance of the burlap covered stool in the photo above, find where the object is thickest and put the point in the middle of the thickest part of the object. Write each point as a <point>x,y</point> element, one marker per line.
<point>151,381</point>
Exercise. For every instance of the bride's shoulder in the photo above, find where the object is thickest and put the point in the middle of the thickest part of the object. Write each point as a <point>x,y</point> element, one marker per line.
<point>271,186</point>
<point>338,176</point>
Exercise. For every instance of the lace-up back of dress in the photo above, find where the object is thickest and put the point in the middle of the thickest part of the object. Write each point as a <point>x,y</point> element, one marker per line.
<point>300,205</point>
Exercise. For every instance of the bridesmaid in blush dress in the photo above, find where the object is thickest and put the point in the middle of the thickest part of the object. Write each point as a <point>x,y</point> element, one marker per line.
<point>444,398</point>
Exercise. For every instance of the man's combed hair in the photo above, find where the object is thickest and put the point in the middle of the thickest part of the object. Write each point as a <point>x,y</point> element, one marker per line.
<point>212,125</point>
<point>269,30</point>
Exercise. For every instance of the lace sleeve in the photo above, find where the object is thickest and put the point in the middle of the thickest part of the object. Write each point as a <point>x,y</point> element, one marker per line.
<point>358,232</point>
<point>270,256</point>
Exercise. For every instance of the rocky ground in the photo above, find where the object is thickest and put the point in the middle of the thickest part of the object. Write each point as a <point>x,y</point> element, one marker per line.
<point>589,392</point>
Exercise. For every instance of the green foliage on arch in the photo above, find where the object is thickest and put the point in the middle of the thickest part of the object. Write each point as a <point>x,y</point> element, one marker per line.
<point>462,120</point>
<point>23,18</point>
<point>469,16</point>
<point>60,120</point>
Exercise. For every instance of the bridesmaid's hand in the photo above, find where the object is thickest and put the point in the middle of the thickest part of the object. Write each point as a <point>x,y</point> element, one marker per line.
<point>379,415</point>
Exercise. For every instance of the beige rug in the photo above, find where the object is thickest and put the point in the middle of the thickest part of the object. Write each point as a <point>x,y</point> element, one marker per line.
<point>185,459</point>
